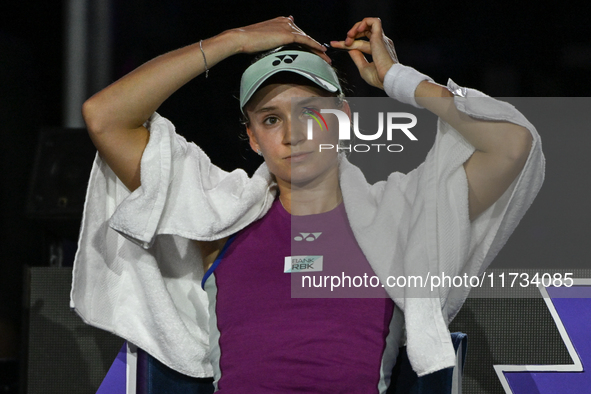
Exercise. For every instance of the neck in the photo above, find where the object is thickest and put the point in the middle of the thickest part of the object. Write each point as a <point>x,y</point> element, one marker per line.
<point>312,198</point>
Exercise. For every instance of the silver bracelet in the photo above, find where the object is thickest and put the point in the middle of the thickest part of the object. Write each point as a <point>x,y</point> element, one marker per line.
<point>204,59</point>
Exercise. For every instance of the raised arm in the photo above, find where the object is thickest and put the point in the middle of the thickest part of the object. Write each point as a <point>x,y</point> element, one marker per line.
<point>502,148</point>
<point>501,151</point>
<point>115,116</point>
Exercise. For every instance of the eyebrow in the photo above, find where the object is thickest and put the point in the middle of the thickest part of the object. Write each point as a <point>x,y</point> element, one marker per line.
<point>265,109</point>
<point>308,100</point>
<point>303,101</point>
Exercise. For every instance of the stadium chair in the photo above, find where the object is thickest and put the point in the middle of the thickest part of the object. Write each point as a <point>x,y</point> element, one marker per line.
<point>153,377</point>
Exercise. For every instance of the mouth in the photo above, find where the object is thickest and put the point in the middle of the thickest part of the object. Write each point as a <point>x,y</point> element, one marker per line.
<point>298,156</point>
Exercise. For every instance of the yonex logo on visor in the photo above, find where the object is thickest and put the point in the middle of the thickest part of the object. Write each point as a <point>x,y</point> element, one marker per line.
<point>306,64</point>
<point>288,59</point>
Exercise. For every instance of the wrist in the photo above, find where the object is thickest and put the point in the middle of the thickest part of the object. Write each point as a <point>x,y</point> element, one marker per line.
<point>401,83</point>
<point>232,41</point>
<point>215,49</point>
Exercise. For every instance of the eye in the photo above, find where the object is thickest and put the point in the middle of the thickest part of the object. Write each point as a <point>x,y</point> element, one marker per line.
<point>308,111</point>
<point>270,120</point>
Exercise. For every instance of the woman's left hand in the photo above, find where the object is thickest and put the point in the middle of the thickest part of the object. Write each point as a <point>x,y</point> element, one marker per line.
<point>380,47</point>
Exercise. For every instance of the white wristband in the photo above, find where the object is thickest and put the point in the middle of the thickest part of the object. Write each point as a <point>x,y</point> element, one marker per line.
<point>402,81</point>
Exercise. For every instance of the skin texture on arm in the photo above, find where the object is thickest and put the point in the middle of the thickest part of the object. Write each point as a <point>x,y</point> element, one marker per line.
<point>502,148</point>
<point>115,115</point>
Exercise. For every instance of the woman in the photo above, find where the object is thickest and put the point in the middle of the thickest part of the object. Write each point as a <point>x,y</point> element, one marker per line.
<point>450,215</point>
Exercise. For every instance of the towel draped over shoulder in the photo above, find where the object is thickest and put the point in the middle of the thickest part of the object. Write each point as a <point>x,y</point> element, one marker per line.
<point>137,273</point>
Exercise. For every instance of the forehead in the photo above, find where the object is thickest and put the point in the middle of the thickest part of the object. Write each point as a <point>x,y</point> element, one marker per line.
<point>280,95</point>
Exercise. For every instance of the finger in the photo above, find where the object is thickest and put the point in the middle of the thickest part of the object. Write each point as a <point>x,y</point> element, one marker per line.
<point>351,34</point>
<point>382,49</point>
<point>323,56</point>
<point>295,27</point>
<point>312,42</point>
<point>371,28</point>
<point>361,45</point>
<point>359,60</point>
<point>338,44</point>
<point>299,36</point>
<point>290,25</point>
<point>381,45</point>
<point>303,38</point>
<point>353,29</point>
<point>349,40</point>
<point>316,48</point>
<point>366,69</point>
<point>362,34</point>
<point>362,26</point>
<point>370,24</point>
<point>279,19</point>
<point>335,43</point>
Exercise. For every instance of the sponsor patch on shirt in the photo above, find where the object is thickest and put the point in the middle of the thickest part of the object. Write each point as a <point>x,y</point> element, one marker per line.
<point>302,264</point>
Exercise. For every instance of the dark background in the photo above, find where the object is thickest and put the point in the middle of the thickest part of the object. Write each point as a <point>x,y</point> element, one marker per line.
<point>506,48</point>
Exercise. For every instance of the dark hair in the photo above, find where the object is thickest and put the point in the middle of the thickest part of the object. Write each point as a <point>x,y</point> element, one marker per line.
<point>288,47</point>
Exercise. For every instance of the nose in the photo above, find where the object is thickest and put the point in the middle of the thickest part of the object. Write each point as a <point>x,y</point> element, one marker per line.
<point>295,131</point>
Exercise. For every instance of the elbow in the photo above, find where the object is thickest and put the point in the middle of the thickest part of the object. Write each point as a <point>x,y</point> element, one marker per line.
<point>519,144</point>
<point>92,115</point>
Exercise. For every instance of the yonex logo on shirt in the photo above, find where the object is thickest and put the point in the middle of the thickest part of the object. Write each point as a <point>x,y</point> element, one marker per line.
<point>307,236</point>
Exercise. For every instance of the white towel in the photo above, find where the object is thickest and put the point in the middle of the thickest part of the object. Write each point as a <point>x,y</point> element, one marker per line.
<point>148,291</point>
<point>145,286</point>
<point>418,225</point>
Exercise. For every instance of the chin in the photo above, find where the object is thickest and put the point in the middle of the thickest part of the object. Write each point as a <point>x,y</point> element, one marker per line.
<point>302,177</point>
<point>303,174</point>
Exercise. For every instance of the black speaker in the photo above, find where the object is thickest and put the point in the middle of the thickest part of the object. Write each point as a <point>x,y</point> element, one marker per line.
<point>64,354</point>
<point>62,166</point>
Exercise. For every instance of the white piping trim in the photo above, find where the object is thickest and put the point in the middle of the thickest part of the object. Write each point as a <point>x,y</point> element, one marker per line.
<point>131,370</point>
<point>577,366</point>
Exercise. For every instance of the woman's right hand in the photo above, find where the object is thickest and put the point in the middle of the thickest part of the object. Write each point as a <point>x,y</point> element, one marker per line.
<point>271,34</point>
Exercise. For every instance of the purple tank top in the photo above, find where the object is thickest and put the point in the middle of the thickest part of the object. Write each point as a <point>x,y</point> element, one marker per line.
<point>263,340</point>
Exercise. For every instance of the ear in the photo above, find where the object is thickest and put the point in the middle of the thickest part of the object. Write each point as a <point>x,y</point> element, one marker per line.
<point>252,139</point>
<point>346,109</point>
